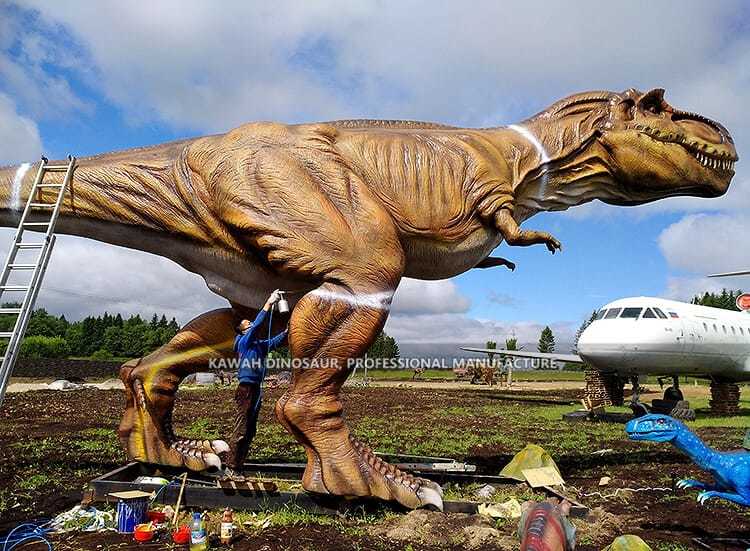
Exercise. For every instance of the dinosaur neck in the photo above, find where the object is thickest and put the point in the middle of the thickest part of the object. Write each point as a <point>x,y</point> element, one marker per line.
<point>138,191</point>
<point>550,175</point>
<point>692,446</point>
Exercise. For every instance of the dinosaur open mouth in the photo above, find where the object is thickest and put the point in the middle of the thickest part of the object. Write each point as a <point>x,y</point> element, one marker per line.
<point>708,160</point>
<point>719,161</point>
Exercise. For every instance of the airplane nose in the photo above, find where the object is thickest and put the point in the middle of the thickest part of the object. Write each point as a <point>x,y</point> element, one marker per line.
<point>595,348</point>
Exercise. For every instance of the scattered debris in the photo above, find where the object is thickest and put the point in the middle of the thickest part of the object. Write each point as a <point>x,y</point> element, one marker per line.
<point>605,480</point>
<point>531,457</point>
<point>84,519</point>
<point>510,509</point>
<point>485,492</point>
<point>628,543</point>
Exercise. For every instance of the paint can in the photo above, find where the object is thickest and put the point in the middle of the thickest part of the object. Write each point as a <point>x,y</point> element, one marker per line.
<point>282,305</point>
<point>130,513</point>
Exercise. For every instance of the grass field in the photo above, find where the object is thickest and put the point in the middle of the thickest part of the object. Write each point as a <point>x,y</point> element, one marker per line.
<point>68,438</point>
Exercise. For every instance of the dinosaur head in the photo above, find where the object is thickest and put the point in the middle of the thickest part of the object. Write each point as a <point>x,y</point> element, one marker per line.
<point>656,150</point>
<point>654,428</point>
<point>632,147</point>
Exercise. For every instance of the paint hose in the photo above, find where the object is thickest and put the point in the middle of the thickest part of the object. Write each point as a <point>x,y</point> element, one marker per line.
<point>26,533</point>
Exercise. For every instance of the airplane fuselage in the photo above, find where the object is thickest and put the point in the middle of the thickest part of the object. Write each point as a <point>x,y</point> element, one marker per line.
<point>644,335</point>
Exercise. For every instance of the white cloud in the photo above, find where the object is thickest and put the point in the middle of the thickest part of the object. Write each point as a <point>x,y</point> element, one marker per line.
<point>207,68</point>
<point>703,244</point>
<point>19,136</point>
<point>685,288</point>
<point>458,328</point>
<point>86,277</point>
<point>429,297</point>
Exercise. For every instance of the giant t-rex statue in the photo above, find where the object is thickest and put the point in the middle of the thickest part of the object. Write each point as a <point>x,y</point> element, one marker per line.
<point>340,212</point>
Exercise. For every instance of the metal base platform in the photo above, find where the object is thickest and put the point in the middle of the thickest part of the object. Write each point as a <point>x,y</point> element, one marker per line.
<point>207,492</point>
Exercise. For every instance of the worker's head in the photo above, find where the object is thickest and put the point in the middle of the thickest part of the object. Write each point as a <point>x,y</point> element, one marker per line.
<point>242,327</point>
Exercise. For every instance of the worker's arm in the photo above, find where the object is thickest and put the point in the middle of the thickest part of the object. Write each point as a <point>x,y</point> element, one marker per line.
<point>259,319</point>
<point>276,341</point>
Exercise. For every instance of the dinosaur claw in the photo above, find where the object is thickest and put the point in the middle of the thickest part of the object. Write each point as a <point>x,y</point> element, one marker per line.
<point>429,496</point>
<point>219,446</point>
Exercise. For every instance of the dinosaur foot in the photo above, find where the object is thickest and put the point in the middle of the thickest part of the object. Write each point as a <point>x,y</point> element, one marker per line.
<point>361,473</point>
<point>148,437</point>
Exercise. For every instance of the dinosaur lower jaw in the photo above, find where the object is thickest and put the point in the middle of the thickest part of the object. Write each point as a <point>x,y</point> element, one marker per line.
<point>718,163</point>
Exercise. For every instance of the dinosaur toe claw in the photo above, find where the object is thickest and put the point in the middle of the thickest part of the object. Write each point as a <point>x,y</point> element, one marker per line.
<point>428,495</point>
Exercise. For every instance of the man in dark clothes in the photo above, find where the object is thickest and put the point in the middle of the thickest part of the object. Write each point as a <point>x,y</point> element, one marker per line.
<point>252,350</point>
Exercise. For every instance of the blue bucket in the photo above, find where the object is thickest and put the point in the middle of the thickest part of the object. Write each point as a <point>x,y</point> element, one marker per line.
<point>131,513</point>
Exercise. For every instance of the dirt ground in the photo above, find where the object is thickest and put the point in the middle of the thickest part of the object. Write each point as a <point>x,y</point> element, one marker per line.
<point>55,442</point>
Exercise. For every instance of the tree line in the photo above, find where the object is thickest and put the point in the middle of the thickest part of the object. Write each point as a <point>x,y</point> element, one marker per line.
<point>98,337</point>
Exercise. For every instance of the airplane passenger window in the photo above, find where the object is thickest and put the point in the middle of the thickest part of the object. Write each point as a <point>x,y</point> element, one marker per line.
<point>661,314</point>
<point>600,315</point>
<point>716,329</point>
<point>632,313</point>
<point>742,331</point>
<point>705,327</point>
<point>733,331</point>
<point>612,313</point>
<point>649,314</point>
<point>724,327</point>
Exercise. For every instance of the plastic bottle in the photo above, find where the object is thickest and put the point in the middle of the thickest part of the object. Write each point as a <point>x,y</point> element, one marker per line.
<point>198,539</point>
<point>227,526</point>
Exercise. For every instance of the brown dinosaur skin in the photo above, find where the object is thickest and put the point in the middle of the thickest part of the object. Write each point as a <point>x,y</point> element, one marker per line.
<point>339,212</point>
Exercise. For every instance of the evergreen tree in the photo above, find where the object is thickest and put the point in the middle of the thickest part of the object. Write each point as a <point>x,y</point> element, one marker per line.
<point>492,345</point>
<point>726,299</point>
<point>384,346</point>
<point>546,341</point>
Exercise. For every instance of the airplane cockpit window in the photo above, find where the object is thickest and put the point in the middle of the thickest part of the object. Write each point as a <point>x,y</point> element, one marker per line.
<point>600,314</point>
<point>612,313</point>
<point>649,313</point>
<point>659,313</point>
<point>631,313</point>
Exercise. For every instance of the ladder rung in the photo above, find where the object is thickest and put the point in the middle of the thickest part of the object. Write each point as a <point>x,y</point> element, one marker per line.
<point>10,310</point>
<point>42,206</point>
<point>21,266</point>
<point>14,287</point>
<point>56,168</point>
<point>29,245</point>
<point>5,335</point>
<point>43,184</point>
<point>36,224</point>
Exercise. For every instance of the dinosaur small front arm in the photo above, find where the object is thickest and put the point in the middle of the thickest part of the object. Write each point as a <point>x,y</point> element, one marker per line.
<point>514,235</point>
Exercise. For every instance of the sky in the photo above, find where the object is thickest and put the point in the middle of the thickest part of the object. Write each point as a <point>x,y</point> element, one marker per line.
<point>83,78</point>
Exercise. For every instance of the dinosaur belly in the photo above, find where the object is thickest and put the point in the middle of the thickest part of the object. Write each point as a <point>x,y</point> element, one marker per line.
<point>431,259</point>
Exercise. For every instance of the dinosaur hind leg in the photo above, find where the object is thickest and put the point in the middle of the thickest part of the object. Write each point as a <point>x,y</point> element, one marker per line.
<point>333,324</point>
<point>151,385</point>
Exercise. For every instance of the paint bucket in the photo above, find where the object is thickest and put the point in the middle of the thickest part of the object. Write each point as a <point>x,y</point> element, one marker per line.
<point>130,513</point>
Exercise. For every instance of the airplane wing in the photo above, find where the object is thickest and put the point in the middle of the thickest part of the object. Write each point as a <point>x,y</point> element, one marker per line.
<point>570,358</point>
<point>730,274</point>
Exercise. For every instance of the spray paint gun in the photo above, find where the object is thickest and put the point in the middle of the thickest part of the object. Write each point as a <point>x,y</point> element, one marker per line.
<point>282,304</point>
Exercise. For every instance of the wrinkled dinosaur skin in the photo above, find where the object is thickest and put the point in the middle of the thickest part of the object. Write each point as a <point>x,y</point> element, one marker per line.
<point>338,213</point>
<point>731,470</point>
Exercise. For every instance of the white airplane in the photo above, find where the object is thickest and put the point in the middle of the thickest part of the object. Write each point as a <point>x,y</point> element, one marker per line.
<point>654,336</point>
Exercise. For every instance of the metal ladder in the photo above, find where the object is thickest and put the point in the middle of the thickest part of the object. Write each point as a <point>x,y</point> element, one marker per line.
<point>30,290</point>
